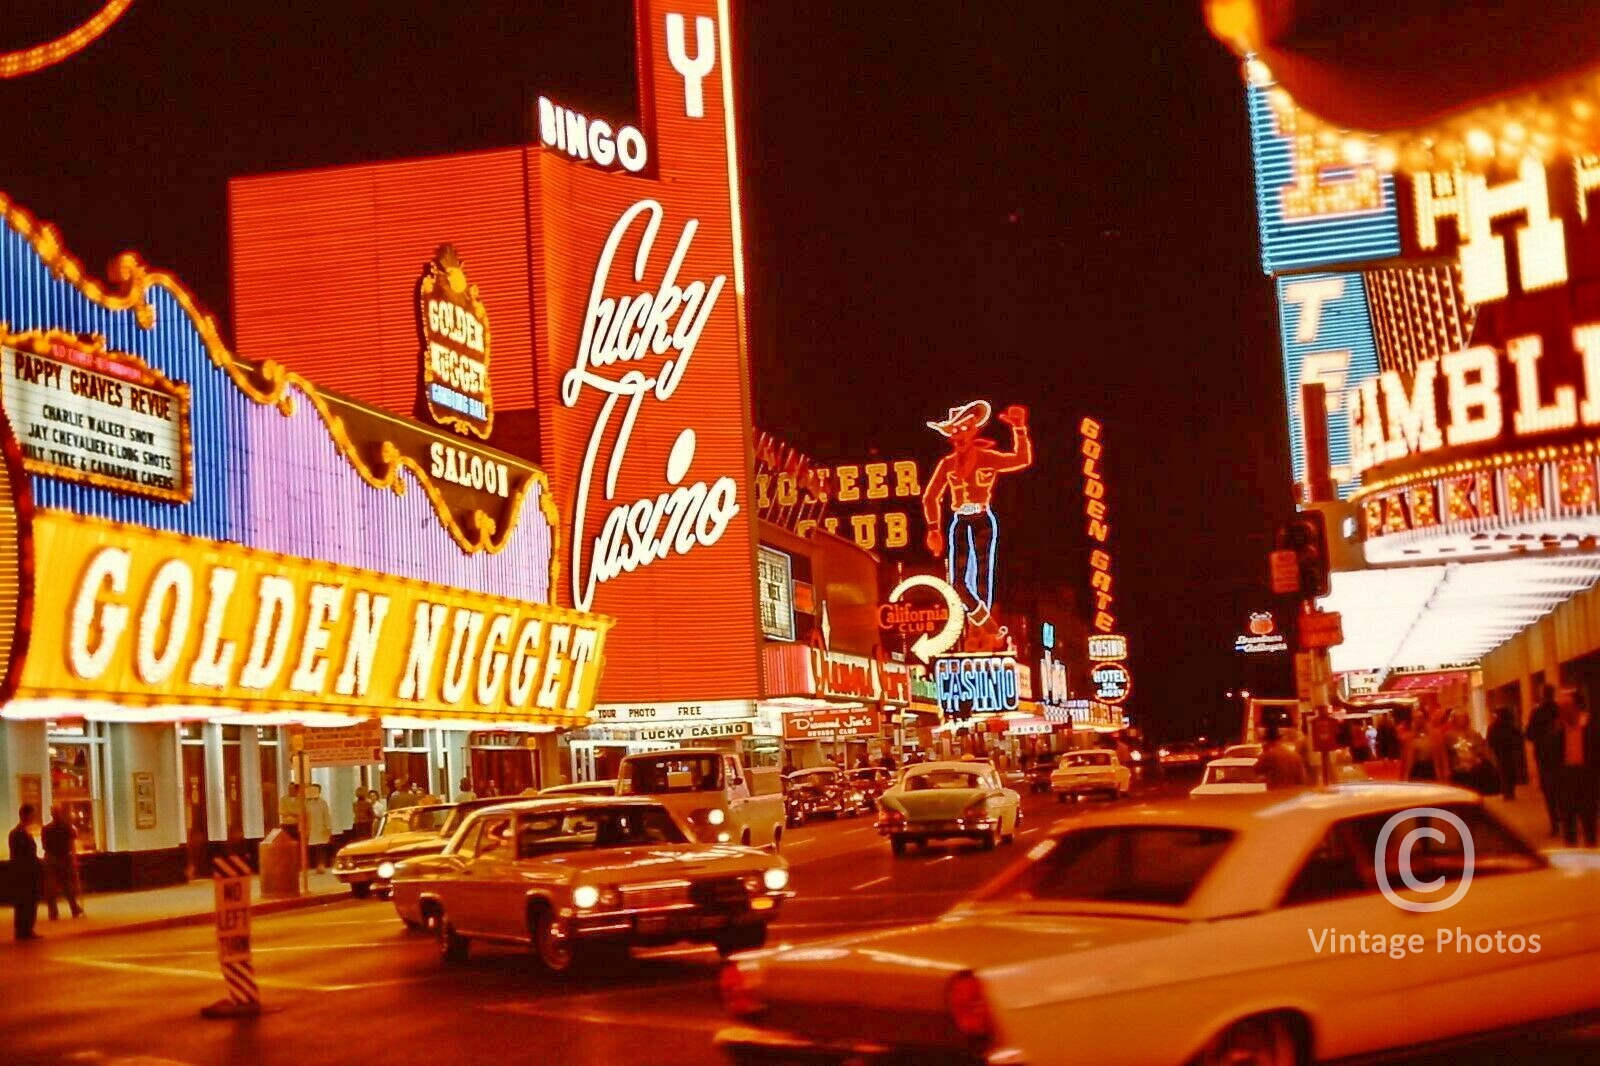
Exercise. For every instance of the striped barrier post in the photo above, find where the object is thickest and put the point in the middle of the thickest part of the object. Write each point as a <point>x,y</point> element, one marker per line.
<point>231,881</point>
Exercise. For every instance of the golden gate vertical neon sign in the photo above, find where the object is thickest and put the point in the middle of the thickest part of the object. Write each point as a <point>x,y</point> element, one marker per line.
<point>1113,680</point>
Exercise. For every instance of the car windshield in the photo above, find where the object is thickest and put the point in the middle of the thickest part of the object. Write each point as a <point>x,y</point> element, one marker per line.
<point>1232,775</point>
<point>813,778</point>
<point>1087,758</point>
<point>421,820</point>
<point>583,829</point>
<point>1118,864</point>
<point>942,779</point>
<point>657,775</point>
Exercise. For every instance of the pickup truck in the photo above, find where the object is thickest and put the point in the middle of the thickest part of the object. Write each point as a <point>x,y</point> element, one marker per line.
<point>711,792</point>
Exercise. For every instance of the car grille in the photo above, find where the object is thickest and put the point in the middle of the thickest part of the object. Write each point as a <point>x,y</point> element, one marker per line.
<point>655,894</point>
<point>717,891</point>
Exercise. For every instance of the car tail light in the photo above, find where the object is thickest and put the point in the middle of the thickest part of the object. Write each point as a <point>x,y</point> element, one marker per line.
<point>891,816</point>
<point>739,986</point>
<point>977,810</point>
<point>969,1008</point>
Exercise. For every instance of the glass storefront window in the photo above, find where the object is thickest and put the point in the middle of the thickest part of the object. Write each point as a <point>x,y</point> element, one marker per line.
<point>267,747</point>
<point>76,757</point>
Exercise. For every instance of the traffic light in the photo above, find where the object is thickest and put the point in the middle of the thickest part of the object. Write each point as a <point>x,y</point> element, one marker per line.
<point>1306,534</point>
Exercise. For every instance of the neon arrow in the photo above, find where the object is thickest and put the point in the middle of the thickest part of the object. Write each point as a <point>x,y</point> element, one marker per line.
<point>928,645</point>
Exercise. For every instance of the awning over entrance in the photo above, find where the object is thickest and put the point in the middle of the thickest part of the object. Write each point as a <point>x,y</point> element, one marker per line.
<point>1428,616</point>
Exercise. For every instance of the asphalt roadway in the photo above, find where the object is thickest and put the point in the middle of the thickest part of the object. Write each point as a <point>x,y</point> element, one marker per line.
<point>345,983</point>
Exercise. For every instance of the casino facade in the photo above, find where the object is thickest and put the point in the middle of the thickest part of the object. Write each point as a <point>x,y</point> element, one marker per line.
<point>1436,286</point>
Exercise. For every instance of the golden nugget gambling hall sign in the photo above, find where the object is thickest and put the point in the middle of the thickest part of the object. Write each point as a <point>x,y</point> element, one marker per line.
<point>153,617</point>
<point>455,347</point>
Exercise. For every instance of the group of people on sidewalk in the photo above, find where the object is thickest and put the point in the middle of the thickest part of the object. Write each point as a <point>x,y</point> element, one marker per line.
<point>1565,737</point>
<point>55,875</point>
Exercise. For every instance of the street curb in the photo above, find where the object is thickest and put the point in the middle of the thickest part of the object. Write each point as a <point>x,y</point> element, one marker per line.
<point>176,921</point>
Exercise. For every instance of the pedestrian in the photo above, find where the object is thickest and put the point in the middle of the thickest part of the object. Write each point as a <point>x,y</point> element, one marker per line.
<point>888,762</point>
<point>362,816</point>
<point>466,792</point>
<point>493,788</point>
<point>319,828</point>
<point>1544,733</point>
<point>25,875</point>
<point>1422,756</point>
<point>400,796</point>
<point>289,811</point>
<point>60,863</point>
<point>1580,769</point>
<point>1471,763</point>
<point>1505,740</point>
<point>1280,765</point>
<point>379,808</point>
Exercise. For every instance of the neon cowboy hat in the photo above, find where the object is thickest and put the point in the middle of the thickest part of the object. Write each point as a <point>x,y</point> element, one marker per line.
<point>970,416</point>
<point>1382,65</point>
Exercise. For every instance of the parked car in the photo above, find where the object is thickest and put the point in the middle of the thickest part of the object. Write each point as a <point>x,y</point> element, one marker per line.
<point>1250,750</point>
<point>826,791</point>
<point>404,833</point>
<point>1226,776</point>
<point>1096,771</point>
<point>711,792</point>
<point>1212,932</point>
<point>871,782</point>
<point>1037,775</point>
<point>945,800</point>
<point>1184,753</point>
<point>584,879</point>
<point>583,788</point>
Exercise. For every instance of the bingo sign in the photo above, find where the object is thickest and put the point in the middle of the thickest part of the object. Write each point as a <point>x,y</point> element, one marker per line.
<point>85,414</point>
<point>976,684</point>
<point>1112,682</point>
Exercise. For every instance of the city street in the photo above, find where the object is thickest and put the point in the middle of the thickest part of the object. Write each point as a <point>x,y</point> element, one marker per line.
<point>345,982</point>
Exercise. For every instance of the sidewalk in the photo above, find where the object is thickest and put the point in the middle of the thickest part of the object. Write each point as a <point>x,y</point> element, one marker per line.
<point>162,908</point>
<point>1525,814</point>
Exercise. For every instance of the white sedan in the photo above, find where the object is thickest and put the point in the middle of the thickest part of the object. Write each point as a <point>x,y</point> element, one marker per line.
<point>1227,776</point>
<point>1095,771</point>
<point>1249,928</point>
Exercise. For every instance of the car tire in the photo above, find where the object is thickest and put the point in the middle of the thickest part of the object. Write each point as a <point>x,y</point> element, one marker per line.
<point>741,938</point>
<point>897,844</point>
<point>989,839</point>
<point>360,889</point>
<point>1267,1039</point>
<point>1061,797</point>
<point>554,952</point>
<point>453,947</point>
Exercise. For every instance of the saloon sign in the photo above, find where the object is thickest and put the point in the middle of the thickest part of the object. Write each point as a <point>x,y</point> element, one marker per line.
<point>643,376</point>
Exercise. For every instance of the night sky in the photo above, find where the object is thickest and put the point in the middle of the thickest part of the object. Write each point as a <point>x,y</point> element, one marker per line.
<point>1043,203</point>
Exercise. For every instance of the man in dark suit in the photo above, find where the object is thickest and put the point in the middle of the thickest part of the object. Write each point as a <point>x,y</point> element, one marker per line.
<point>1543,733</point>
<point>1580,770</point>
<point>26,870</point>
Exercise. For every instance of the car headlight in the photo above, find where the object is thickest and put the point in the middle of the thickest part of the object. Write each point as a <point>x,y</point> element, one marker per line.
<point>775,878</point>
<point>585,896</point>
<point>386,870</point>
<point>723,838</point>
<point>715,816</point>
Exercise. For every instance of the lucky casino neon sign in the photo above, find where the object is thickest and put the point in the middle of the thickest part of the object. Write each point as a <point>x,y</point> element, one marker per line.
<point>630,330</point>
<point>643,373</point>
